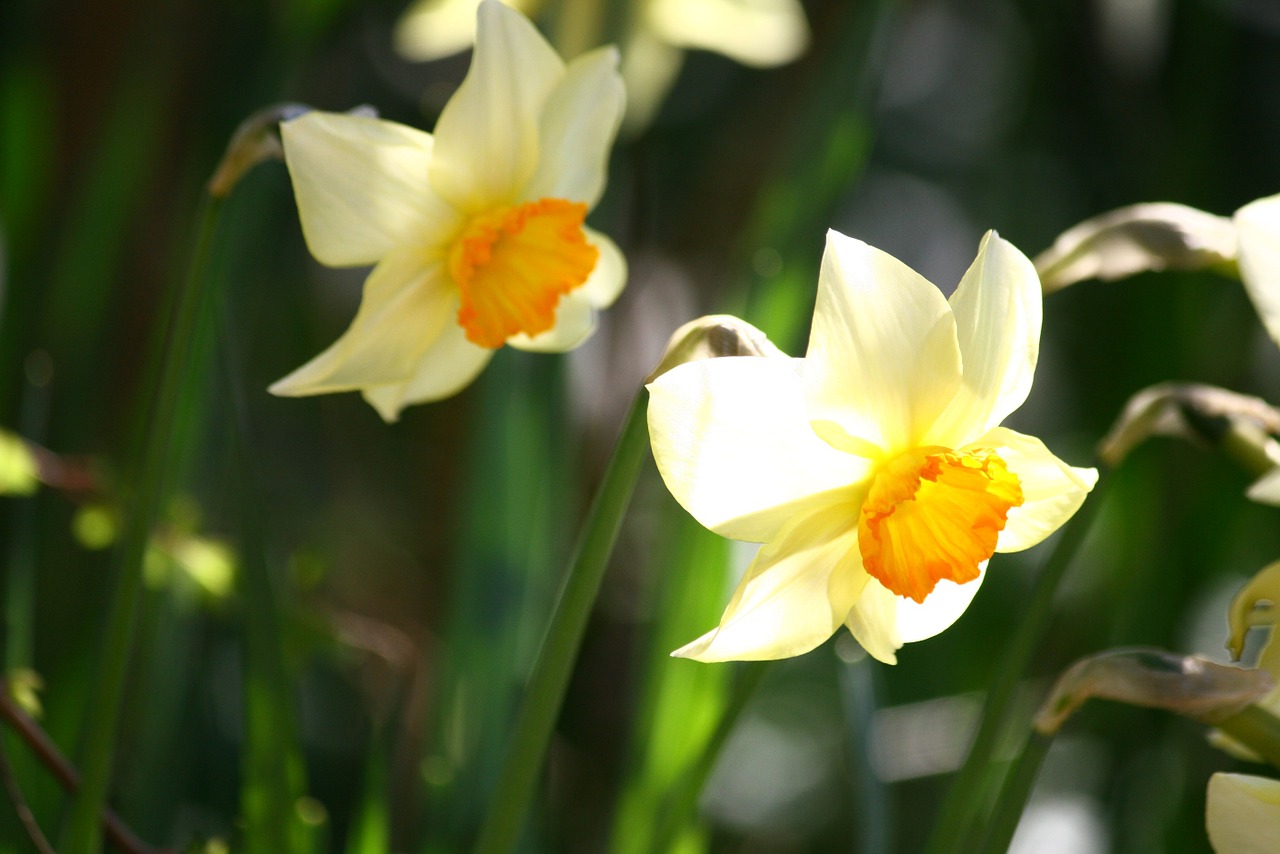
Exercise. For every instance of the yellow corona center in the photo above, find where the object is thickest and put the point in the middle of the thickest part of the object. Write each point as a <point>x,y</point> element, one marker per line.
<point>934,513</point>
<point>513,264</point>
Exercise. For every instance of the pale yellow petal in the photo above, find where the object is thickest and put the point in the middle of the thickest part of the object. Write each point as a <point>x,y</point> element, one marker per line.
<point>432,29</point>
<point>732,444</point>
<point>361,186</point>
<point>649,68</point>
<point>487,145</point>
<point>1242,814</point>
<point>918,621</point>
<point>610,274</point>
<point>883,359</point>
<point>578,124</point>
<point>997,309</point>
<point>753,32</point>
<point>873,621</point>
<point>575,321</point>
<point>1052,491</point>
<point>1266,489</point>
<point>795,594</point>
<point>1258,230</point>
<point>407,302</point>
<point>882,621</point>
<point>448,366</point>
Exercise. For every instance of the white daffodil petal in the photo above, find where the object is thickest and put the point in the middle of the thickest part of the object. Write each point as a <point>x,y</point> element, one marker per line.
<point>448,366</point>
<point>407,302</point>
<point>1266,489</point>
<point>579,122</point>
<point>732,443</point>
<point>1258,230</point>
<point>795,594</point>
<point>575,321</point>
<point>649,68</point>
<point>1052,491</point>
<point>873,620</point>
<point>1242,813</point>
<point>432,29</point>
<point>920,620</point>
<point>610,274</point>
<point>997,309</point>
<point>883,358</point>
<point>361,186</point>
<point>487,136</point>
<point>754,32</point>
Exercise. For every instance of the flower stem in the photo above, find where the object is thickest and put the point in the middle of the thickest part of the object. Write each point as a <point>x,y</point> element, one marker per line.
<point>559,651</point>
<point>968,793</point>
<point>83,833</point>
<point>1257,729</point>
<point>1013,795</point>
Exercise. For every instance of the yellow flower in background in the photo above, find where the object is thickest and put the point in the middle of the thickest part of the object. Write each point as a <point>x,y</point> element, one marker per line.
<point>874,469</point>
<point>1258,233</point>
<point>1256,605</point>
<point>477,231</point>
<point>19,470</point>
<point>760,33</point>
<point>1242,814</point>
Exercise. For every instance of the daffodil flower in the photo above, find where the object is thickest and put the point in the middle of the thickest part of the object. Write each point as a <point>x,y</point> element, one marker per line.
<point>1255,606</point>
<point>1242,814</point>
<point>477,231</point>
<point>760,33</point>
<point>874,469</point>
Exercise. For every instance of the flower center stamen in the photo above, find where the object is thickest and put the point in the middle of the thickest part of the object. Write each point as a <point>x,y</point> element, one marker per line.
<point>934,513</point>
<point>513,264</point>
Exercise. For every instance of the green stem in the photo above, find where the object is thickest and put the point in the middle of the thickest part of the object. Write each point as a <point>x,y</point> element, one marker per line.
<point>559,651</point>
<point>1013,795</point>
<point>968,791</point>
<point>683,799</point>
<point>83,835</point>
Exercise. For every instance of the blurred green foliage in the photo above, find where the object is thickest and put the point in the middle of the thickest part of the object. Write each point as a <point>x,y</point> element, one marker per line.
<point>355,689</point>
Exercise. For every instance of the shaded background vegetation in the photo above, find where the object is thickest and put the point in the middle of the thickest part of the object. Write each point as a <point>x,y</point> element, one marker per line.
<point>410,568</point>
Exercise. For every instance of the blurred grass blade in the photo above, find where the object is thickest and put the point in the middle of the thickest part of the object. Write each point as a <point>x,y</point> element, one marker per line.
<point>680,701</point>
<point>156,466</point>
<point>506,574</point>
<point>827,154</point>
<point>681,802</point>
<point>274,781</point>
<point>558,651</point>
<point>1014,794</point>
<point>871,807</point>
<point>371,828</point>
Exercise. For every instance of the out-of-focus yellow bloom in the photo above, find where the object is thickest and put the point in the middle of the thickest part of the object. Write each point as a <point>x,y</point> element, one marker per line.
<point>19,472</point>
<point>874,469</point>
<point>1255,606</point>
<point>477,230</point>
<point>1242,814</point>
<point>1258,232</point>
<point>759,33</point>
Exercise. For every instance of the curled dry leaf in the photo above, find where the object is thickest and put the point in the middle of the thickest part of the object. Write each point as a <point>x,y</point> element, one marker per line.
<point>1240,423</point>
<point>1187,685</point>
<point>1140,238</point>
